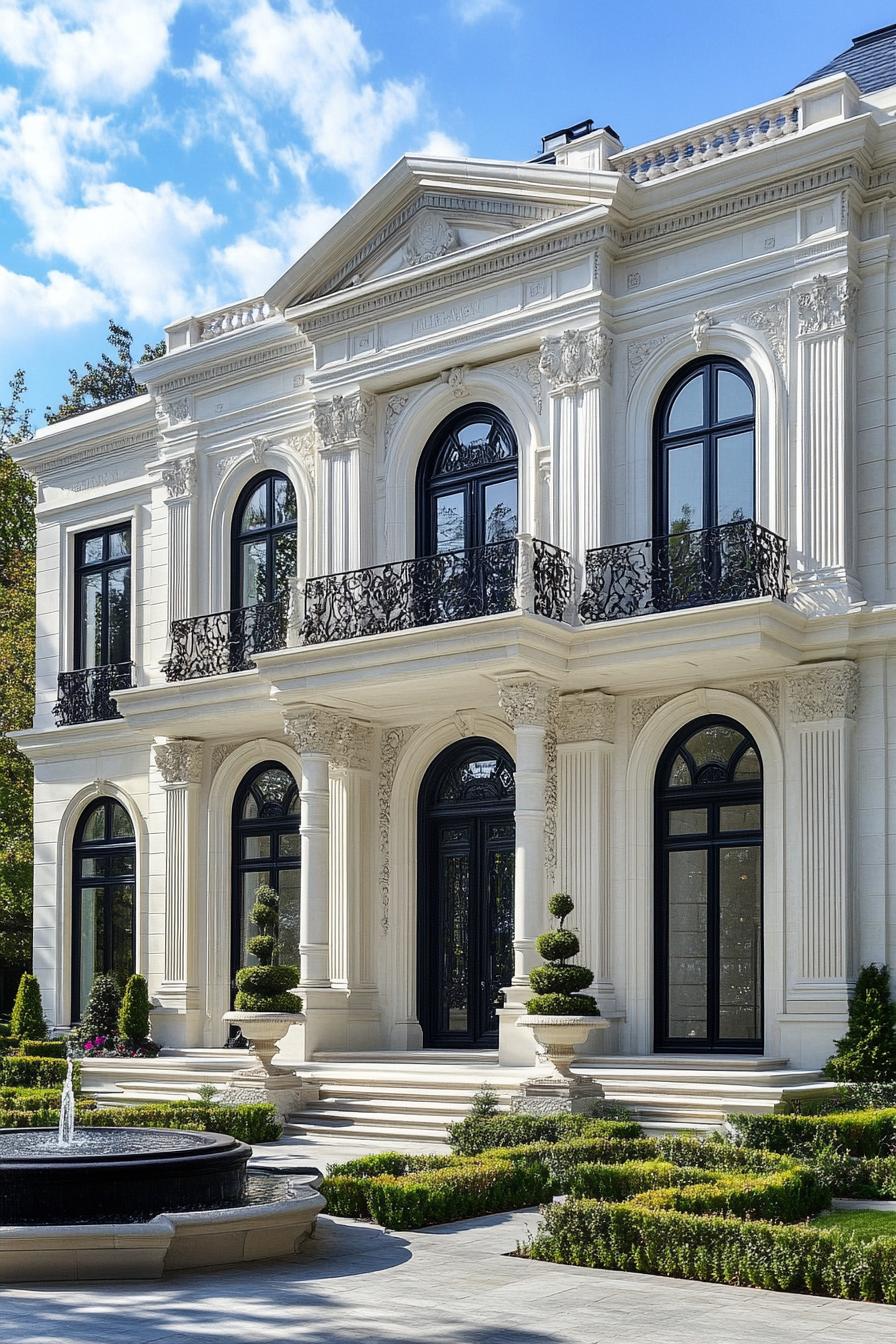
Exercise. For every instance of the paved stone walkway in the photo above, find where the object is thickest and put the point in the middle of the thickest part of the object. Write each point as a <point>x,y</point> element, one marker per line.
<point>450,1285</point>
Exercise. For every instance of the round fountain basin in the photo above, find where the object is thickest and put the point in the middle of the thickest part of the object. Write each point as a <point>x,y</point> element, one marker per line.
<point>116,1175</point>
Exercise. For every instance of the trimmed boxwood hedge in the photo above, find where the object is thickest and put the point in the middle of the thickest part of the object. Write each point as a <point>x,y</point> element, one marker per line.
<point>476,1133</point>
<point>33,1071</point>
<point>865,1133</point>
<point>252,1122</point>
<point>45,1049</point>
<point>789,1258</point>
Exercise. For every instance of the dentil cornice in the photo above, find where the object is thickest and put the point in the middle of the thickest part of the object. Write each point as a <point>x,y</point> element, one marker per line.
<point>179,761</point>
<point>823,691</point>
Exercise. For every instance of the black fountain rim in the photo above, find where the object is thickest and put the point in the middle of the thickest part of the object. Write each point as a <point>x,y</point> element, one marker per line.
<point>210,1145</point>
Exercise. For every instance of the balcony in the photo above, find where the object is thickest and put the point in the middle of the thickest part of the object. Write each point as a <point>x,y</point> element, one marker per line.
<point>519,573</point>
<point>226,641</point>
<point>85,695</point>
<point>691,569</point>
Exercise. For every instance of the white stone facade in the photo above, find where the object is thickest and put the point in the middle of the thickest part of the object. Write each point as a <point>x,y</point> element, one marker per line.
<point>566,295</point>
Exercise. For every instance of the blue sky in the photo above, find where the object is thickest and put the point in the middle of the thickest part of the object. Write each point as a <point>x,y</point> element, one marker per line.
<point>160,157</point>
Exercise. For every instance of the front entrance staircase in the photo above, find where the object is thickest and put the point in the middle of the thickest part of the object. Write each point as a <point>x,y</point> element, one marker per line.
<point>395,1097</point>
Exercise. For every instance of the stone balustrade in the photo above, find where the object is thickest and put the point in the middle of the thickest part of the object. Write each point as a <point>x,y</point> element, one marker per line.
<point>232,318</point>
<point>709,142</point>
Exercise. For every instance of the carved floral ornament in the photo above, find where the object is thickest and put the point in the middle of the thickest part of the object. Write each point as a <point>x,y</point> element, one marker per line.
<point>589,717</point>
<point>345,418</point>
<point>825,691</point>
<point>527,702</point>
<point>431,236</point>
<point>176,410</point>
<point>575,357</point>
<point>700,330</point>
<point>179,761</point>
<point>179,477</point>
<point>827,304</point>
<point>346,742</point>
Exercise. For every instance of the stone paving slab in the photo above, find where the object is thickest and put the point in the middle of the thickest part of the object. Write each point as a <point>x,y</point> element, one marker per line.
<point>357,1284</point>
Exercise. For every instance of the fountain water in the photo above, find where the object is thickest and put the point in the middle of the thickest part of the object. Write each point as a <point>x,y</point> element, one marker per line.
<point>67,1110</point>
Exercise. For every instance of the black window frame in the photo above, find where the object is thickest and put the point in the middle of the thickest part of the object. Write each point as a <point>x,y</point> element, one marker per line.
<point>473,481</point>
<point>107,847</point>
<point>269,533</point>
<point>103,567</point>
<point>712,796</point>
<point>711,430</point>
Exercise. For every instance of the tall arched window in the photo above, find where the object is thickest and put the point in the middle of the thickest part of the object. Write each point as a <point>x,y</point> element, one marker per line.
<point>467,483</point>
<point>704,471</point>
<point>103,898</point>
<point>709,890</point>
<point>266,852</point>
<point>465,904</point>
<point>264,541</point>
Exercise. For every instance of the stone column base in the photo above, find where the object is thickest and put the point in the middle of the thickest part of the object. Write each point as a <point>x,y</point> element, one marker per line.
<point>577,1096</point>
<point>282,1090</point>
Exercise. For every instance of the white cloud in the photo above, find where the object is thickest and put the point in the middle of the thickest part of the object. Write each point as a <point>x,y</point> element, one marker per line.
<point>472,11</point>
<point>92,50</point>
<point>438,145</point>
<point>60,301</point>
<point>253,261</point>
<point>311,57</point>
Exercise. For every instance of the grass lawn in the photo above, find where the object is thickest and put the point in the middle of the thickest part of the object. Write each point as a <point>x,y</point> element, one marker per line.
<point>861,1223</point>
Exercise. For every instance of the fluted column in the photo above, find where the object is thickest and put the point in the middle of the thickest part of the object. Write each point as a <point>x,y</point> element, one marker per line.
<point>351,926</point>
<point>530,707</point>
<point>825,523</point>
<point>822,702</point>
<point>345,427</point>
<point>180,764</point>
<point>179,479</point>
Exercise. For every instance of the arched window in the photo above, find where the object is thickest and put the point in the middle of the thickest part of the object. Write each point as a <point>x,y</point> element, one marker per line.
<point>467,483</point>
<point>704,472</point>
<point>709,890</point>
<point>103,898</point>
<point>465,904</point>
<point>266,852</point>
<point>264,541</point>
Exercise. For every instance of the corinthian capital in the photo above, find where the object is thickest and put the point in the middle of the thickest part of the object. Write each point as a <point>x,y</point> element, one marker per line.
<point>823,691</point>
<point>576,356</point>
<point>827,304</point>
<point>344,419</point>
<point>179,477</point>
<point>179,761</point>
<point>528,701</point>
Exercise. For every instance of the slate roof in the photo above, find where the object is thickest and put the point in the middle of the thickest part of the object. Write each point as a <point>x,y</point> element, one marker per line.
<point>871,61</point>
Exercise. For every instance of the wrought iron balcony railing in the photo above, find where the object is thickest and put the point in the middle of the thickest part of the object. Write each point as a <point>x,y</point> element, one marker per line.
<point>226,641</point>
<point>690,569</point>
<point>85,695</point>
<point>434,589</point>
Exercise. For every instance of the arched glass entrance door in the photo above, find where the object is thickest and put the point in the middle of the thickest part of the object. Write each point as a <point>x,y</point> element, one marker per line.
<point>465,902</point>
<point>709,890</point>
<point>266,852</point>
<point>104,882</point>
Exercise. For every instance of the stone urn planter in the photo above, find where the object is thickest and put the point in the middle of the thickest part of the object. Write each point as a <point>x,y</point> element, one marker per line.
<point>263,1080</point>
<point>557,1038</point>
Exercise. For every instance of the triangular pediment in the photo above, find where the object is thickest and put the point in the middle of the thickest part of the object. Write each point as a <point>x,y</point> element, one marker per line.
<point>424,210</point>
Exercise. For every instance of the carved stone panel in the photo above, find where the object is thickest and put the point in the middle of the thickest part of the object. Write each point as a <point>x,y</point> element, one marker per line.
<point>823,691</point>
<point>179,761</point>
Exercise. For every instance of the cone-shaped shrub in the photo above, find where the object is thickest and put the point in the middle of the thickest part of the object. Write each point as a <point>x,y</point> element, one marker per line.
<point>557,984</point>
<point>103,1006</point>
<point>265,988</point>
<point>27,1020</point>
<point>133,1019</point>
<point>867,1053</point>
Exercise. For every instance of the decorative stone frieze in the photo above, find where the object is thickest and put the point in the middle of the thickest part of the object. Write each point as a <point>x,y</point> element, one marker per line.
<point>528,372</point>
<point>700,330</point>
<point>258,446</point>
<point>179,478</point>
<point>344,419</point>
<point>589,717</point>
<point>302,444</point>
<point>526,701</point>
<point>220,754</point>
<point>179,761</point>
<point>771,319</point>
<point>827,304</point>
<point>574,357</point>
<point>173,411</point>
<point>823,691</point>
<point>644,708</point>
<point>639,353</point>
<point>394,741</point>
<point>431,236</point>
<point>346,742</point>
<point>394,407</point>
<point>765,694</point>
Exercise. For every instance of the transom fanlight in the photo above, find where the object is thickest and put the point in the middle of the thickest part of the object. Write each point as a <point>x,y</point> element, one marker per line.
<point>715,754</point>
<point>485,777</point>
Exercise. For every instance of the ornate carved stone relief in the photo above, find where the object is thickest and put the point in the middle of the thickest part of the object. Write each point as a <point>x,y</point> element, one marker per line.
<point>644,708</point>
<point>525,700</point>
<point>700,330</point>
<point>576,356</point>
<point>638,354</point>
<point>771,319</point>
<point>179,761</point>
<point>589,717</point>
<point>344,418</point>
<point>393,744</point>
<point>765,694</point>
<point>179,477</point>
<point>173,411</point>
<point>220,754</point>
<point>528,372</point>
<point>302,445</point>
<point>823,691</point>
<point>431,236</point>
<point>825,305</point>
<point>346,742</point>
<point>455,379</point>
<point>394,407</point>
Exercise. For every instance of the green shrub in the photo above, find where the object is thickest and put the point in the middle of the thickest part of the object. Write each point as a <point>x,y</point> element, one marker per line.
<point>4,1029</point>
<point>263,946</point>
<point>485,1102</point>
<point>46,1049</point>
<point>103,1006</point>
<point>251,1122</point>
<point>267,979</point>
<point>347,1184</point>
<point>858,1133</point>
<point>556,984</point>
<point>27,1019</point>
<point>267,1003</point>
<point>800,1258</point>
<point>557,944</point>
<point>263,988</point>
<point>133,1016</point>
<point>474,1134</point>
<point>560,979</point>
<point>867,1053</point>
<point>562,1005</point>
<point>36,1099</point>
<point>28,1071</point>
<point>468,1190</point>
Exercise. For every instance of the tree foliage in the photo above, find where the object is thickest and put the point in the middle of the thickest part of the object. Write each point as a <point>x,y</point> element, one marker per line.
<point>102,1008</point>
<point>16,680</point>
<point>133,1018</point>
<point>108,380</point>
<point>27,1021</point>
<point>867,1053</point>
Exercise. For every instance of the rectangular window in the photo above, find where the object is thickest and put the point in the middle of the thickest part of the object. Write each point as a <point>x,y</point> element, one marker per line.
<point>103,597</point>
